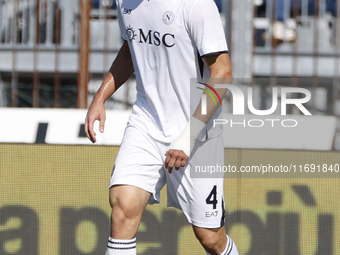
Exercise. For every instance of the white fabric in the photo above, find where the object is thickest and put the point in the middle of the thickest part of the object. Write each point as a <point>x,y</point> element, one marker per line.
<point>164,38</point>
<point>231,248</point>
<point>140,162</point>
<point>186,141</point>
<point>121,247</point>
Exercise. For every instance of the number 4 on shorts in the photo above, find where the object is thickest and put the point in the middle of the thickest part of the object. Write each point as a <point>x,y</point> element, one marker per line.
<point>211,199</point>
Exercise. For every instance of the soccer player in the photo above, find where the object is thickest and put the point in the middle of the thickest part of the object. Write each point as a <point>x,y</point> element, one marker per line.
<point>164,42</point>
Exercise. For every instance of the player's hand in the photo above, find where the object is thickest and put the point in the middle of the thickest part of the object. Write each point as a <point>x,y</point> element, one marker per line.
<point>95,112</point>
<point>175,158</point>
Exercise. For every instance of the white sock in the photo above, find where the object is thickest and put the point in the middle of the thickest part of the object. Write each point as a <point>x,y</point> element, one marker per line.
<point>121,247</point>
<point>230,249</point>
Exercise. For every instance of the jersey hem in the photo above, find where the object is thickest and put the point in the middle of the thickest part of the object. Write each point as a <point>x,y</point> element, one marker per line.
<point>209,50</point>
<point>215,53</point>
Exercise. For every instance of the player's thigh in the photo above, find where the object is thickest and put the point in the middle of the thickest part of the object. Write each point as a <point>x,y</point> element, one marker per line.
<point>129,200</point>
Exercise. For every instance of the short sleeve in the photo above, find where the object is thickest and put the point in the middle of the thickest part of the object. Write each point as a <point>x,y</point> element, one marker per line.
<point>205,28</point>
<point>121,24</point>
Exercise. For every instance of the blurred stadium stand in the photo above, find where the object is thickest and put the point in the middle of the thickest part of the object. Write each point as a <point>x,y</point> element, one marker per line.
<point>272,43</point>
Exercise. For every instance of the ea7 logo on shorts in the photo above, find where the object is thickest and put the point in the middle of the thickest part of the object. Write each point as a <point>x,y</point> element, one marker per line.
<point>211,214</point>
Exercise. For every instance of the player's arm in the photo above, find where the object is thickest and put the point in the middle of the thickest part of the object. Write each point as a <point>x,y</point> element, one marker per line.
<point>120,70</point>
<point>179,152</point>
<point>221,73</point>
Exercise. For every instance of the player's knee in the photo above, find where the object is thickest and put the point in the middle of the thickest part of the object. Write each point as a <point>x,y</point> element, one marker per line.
<point>118,216</point>
<point>213,240</point>
<point>123,210</point>
<point>120,211</point>
<point>113,200</point>
<point>208,239</point>
<point>123,219</point>
<point>209,242</point>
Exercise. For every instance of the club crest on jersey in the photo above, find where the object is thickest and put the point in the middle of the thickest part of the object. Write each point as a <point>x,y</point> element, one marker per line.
<point>168,17</point>
<point>130,32</point>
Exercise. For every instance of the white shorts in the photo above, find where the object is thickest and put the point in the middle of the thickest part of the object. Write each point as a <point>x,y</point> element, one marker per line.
<point>140,163</point>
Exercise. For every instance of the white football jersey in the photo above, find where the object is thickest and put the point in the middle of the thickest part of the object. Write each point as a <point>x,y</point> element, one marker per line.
<point>167,38</point>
